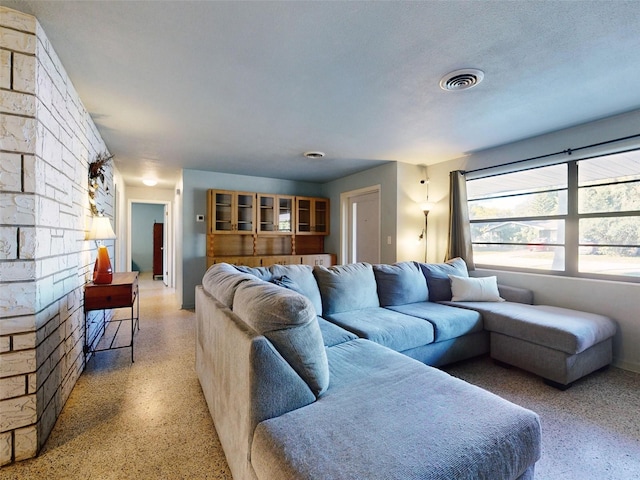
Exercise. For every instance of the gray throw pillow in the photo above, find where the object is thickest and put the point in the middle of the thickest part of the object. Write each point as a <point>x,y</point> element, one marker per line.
<point>400,283</point>
<point>437,275</point>
<point>263,273</point>
<point>302,275</point>
<point>347,287</point>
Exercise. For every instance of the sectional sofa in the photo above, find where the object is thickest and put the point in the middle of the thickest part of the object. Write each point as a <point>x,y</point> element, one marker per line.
<point>318,373</point>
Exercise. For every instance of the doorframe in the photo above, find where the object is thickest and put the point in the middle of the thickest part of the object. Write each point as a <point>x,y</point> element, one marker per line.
<point>169,248</point>
<point>345,228</point>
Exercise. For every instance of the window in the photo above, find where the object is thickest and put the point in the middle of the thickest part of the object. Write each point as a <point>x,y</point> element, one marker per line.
<point>579,218</point>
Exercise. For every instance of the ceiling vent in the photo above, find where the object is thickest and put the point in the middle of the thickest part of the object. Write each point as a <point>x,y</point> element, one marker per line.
<point>461,79</point>
<point>314,154</point>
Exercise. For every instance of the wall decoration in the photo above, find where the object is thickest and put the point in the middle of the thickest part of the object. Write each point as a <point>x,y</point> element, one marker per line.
<point>96,171</point>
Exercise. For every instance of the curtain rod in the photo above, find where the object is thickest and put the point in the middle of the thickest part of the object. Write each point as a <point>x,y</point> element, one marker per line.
<point>567,151</point>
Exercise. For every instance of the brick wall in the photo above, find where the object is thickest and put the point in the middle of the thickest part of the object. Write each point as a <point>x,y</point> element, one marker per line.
<point>47,140</point>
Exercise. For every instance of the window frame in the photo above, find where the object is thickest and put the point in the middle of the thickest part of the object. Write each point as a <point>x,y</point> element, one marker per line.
<point>571,220</point>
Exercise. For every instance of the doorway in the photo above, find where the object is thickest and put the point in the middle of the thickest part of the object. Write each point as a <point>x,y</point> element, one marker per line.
<point>145,217</point>
<point>360,220</point>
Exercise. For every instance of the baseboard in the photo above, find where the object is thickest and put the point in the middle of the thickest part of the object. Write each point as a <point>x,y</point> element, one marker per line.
<point>632,367</point>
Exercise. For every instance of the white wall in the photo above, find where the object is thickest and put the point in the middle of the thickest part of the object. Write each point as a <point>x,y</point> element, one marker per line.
<point>410,218</point>
<point>47,140</point>
<point>620,301</point>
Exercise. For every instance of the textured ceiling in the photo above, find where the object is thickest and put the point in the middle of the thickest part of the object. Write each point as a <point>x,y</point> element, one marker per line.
<point>247,87</point>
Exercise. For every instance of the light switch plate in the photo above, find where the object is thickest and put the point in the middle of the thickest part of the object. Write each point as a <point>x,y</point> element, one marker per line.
<point>199,218</point>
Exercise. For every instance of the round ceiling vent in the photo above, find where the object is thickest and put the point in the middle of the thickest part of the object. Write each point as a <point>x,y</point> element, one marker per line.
<point>461,79</point>
<point>314,155</point>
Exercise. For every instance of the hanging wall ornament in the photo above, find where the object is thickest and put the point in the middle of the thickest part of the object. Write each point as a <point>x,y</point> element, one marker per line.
<point>96,171</point>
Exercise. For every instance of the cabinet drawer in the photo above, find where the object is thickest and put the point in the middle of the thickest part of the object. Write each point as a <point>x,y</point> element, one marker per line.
<point>102,297</point>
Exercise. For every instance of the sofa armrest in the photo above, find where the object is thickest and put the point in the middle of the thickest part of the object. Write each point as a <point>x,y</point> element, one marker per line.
<point>516,294</point>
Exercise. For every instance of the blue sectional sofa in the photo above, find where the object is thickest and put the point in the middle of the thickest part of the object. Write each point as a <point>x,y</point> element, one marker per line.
<point>317,373</point>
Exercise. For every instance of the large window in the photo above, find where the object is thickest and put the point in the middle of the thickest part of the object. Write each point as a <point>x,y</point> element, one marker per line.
<point>578,218</point>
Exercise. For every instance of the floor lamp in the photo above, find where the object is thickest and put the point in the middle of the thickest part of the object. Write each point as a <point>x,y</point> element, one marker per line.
<point>101,230</point>
<point>426,208</point>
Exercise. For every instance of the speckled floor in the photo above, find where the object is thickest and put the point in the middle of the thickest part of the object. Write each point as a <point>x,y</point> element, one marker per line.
<point>149,420</point>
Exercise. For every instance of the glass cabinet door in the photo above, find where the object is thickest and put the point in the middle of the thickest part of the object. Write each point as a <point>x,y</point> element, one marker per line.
<point>285,215</point>
<point>266,213</point>
<point>244,212</point>
<point>275,214</point>
<point>321,215</point>
<point>223,209</point>
<point>303,212</point>
<point>231,212</point>
<point>312,216</point>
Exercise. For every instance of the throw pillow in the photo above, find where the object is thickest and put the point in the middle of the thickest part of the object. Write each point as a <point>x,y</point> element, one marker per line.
<point>437,275</point>
<point>400,283</point>
<point>286,282</point>
<point>302,275</point>
<point>262,273</point>
<point>347,287</point>
<point>476,289</point>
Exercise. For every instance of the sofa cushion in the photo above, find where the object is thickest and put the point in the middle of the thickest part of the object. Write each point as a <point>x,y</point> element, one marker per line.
<point>221,281</point>
<point>516,294</point>
<point>386,416</point>
<point>302,276</point>
<point>479,289</point>
<point>346,287</point>
<point>563,329</point>
<point>400,283</point>
<point>289,321</point>
<point>448,322</point>
<point>386,327</point>
<point>333,334</point>
<point>437,275</point>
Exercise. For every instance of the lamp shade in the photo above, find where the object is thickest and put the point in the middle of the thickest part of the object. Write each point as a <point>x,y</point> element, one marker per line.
<point>101,229</point>
<point>426,206</point>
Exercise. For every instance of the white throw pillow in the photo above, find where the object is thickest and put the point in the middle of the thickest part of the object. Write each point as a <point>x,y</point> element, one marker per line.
<point>474,289</point>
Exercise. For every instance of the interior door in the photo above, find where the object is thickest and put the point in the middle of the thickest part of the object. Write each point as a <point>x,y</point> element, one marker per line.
<point>166,246</point>
<point>364,228</point>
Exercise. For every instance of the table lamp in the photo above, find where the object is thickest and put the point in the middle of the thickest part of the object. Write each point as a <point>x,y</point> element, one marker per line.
<point>101,230</point>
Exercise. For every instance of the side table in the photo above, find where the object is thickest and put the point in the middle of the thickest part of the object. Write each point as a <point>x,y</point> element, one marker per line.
<point>122,292</point>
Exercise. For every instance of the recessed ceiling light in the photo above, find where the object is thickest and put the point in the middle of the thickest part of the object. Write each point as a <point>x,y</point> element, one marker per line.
<point>314,155</point>
<point>149,182</point>
<point>461,79</point>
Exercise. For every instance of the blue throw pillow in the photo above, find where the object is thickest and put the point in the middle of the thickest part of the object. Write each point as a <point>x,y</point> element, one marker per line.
<point>263,273</point>
<point>346,287</point>
<point>400,283</point>
<point>437,275</point>
<point>286,282</point>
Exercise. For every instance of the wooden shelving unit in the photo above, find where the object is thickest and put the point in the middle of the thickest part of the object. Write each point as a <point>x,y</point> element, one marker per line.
<point>258,229</point>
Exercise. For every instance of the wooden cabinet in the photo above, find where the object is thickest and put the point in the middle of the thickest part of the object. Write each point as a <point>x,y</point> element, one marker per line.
<point>158,250</point>
<point>324,259</point>
<point>312,216</point>
<point>260,229</point>
<point>231,212</point>
<point>275,214</point>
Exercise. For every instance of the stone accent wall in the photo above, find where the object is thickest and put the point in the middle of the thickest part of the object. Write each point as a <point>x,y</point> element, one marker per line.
<point>47,140</point>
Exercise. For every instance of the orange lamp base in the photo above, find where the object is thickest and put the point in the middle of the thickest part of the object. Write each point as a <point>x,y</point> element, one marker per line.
<point>102,272</point>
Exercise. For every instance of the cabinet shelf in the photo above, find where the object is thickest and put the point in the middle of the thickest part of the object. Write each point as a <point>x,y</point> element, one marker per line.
<point>258,228</point>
